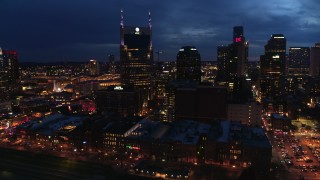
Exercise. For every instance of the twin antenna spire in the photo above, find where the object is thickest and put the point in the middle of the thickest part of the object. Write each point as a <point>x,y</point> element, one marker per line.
<point>122,24</point>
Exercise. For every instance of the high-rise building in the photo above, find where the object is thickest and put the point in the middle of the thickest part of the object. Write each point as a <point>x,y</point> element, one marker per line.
<point>315,60</point>
<point>136,60</point>
<point>237,33</point>
<point>136,54</point>
<point>233,59</point>
<point>232,63</point>
<point>3,78</point>
<point>274,60</point>
<point>189,64</point>
<point>299,61</point>
<point>240,51</point>
<point>93,67</point>
<point>224,62</point>
<point>111,67</point>
<point>272,65</point>
<point>11,64</point>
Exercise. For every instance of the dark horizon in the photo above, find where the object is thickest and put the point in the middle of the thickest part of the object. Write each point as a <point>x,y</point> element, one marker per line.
<point>65,31</point>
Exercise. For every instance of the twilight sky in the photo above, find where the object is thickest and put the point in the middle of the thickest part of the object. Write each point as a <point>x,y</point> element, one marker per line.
<point>79,30</point>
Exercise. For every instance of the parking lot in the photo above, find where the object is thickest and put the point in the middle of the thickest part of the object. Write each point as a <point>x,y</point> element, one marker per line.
<point>299,152</point>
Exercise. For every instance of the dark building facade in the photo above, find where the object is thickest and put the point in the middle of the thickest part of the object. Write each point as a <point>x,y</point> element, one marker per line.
<point>315,60</point>
<point>299,61</point>
<point>3,78</point>
<point>93,68</point>
<point>189,64</point>
<point>202,103</point>
<point>232,62</point>
<point>274,60</point>
<point>111,64</point>
<point>121,99</point>
<point>10,76</point>
<point>272,65</point>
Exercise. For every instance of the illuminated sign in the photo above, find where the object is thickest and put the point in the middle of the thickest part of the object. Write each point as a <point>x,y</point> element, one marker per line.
<point>118,88</point>
<point>275,57</point>
<point>137,30</point>
<point>279,37</point>
<point>193,49</point>
<point>181,49</point>
<point>238,39</point>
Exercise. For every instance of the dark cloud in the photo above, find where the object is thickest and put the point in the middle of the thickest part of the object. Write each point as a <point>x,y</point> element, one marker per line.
<point>81,30</point>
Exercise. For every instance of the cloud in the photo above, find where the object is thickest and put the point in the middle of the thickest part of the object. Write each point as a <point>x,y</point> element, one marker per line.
<point>81,29</point>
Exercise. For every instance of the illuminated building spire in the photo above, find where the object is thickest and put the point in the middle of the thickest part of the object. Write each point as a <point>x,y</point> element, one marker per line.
<point>121,21</point>
<point>150,26</point>
<point>121,28</point>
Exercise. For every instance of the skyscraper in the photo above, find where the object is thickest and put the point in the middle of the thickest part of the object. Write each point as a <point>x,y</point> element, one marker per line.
<point>237,33</point>
<point>233,66</point>
<point>315,60</point>
<point>189,64</point>
<point>225,64</point>
<point>12,75</point>
<point>299,61</point>
<point>136,60</point>
<point>240,51</point>
<point>93,67</point>
<point>111,64</point>
<point>233,58</point>
<point>274,60</point>
<point>136,54</point>
<point>3,79</point>
<point>272,65</point>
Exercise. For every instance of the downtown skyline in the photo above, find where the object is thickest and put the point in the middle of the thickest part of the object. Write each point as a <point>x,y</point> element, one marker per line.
<point>65,31</point>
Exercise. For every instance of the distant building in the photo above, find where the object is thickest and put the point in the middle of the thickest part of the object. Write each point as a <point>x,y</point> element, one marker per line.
<point>86,87</point>
<point>122,99</point>
<point>315,60</point>
<point>225,65</point>
<point>93,68</point>
<point>112,66</point>
<point>189,64</point>
<point>247,113</point>
<point>299,61</point>
<point>11,73</point>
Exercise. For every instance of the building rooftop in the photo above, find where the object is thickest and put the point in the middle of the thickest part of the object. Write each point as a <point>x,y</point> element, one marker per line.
<point>54,123</point>
<point>247,136</point>
<point>186,132</point>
